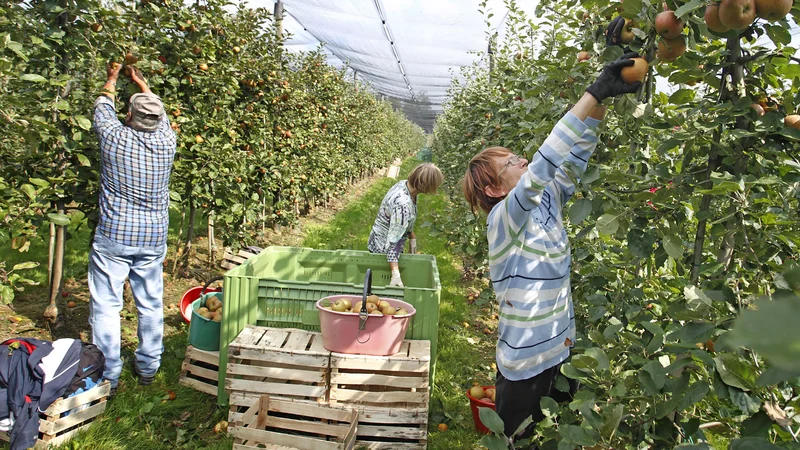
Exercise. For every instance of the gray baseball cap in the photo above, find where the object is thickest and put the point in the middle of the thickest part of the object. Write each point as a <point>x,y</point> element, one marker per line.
<point>146,111</point>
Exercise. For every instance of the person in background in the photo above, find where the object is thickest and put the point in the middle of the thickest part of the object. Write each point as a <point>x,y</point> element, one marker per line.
<point>131,236</point>
<point>529,254</point>
<point>397,214</point>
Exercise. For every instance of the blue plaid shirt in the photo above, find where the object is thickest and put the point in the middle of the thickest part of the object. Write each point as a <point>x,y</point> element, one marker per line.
<point>134,178</point>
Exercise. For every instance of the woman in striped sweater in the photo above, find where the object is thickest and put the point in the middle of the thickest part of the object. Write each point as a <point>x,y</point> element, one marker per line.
<point>397,214</point>
<point>529,254</point>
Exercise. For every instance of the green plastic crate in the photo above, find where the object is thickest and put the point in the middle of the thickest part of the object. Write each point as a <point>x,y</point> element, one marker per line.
<point>279,287</point>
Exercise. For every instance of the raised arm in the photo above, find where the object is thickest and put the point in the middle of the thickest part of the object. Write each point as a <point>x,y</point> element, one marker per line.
<point>578,159</point>
<point>569,133</point>
<point>105,117</point>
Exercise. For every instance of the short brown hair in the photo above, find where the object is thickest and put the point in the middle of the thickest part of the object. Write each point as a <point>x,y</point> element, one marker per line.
<point>425,178</point>
<point>482,172</point>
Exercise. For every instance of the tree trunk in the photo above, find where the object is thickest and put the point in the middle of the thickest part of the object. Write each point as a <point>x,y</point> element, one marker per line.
<point>212,246</point>
<point>725,254</point>
<point>56,280</point>
<point>187,248</point>
<point>51,252</point>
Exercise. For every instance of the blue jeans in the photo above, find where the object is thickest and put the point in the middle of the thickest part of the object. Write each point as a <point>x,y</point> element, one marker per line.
<point>110,264</point>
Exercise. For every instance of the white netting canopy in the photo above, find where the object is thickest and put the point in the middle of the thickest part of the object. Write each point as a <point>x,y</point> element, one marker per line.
<point>407,51</point>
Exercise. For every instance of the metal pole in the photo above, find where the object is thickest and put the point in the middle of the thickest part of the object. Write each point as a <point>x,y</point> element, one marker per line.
<point>355,81</point>
<point>279,17</point>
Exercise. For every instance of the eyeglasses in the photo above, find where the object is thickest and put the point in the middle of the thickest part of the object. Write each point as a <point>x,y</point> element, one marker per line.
<point>513,160</point>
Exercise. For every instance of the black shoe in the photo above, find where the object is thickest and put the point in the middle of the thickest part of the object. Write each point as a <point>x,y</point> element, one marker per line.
<point>112,393</point>
<point>144,380</point>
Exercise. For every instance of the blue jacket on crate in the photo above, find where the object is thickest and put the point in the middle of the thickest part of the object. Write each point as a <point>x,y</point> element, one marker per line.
<point>33,374</point>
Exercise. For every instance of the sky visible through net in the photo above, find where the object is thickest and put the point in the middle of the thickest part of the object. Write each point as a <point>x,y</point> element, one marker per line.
<point>407,51</point>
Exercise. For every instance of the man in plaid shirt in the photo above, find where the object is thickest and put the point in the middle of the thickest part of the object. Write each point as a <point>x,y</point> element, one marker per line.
<point>131,236</point>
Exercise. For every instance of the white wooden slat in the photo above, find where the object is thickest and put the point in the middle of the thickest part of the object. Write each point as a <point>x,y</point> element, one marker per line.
<point>278,373</point>
<point>362,379</point>
<point>205,356</point>
<point>344,395</point>
<point>244,352</point>
<point>282,389</point>
<point>65,404</point>
<point>71,420</point>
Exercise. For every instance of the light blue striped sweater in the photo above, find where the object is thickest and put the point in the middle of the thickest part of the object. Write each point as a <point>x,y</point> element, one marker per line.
<point>529,254</point>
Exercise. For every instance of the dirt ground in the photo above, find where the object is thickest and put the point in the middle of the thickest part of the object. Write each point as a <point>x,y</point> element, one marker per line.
<point>24,317</point>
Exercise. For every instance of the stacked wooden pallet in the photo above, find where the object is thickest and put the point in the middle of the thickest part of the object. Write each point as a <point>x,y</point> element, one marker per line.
<point>390,393</point>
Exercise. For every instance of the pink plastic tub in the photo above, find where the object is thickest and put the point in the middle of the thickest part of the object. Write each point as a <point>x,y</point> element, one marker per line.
<point>382,335</point>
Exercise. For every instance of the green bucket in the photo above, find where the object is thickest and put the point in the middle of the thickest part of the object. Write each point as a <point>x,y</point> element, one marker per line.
<point>204,333</point>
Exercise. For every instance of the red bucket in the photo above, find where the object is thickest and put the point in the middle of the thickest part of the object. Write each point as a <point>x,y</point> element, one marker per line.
<point>474,404</point>
<point>188,297</point>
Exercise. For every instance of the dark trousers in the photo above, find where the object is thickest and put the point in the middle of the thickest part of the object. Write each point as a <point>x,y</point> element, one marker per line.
<point>518,400</point>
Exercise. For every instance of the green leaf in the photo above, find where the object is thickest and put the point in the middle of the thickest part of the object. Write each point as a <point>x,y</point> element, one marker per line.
<point>778,34</point>
<point>83,122</point>
<point>25,265</point>
<point>6,294</point>
<point>32,77</point>
<point>689,7</point>
<point>772,329</point>
<point>735,372</point>
<point>494,442</point>
<point>693,332</point>
<point>84,160</point>
<point>59,219</point>
<point>673,246</point>
<point>600,356</point>
<point>491,420</point>
<point>653,376</point>
<point>696,299</point>
<point>584,363</point>
<point>682,96</point>
<point>580,210</point>
<point>640,243</point>
<point>752,443</point>
<point>39,182</point>
<point>694,394</point>
<point>574,434</point>
<point>631,8</point>
<point>608,224</point>
<point>612,417</point>
<point>62,105</point>
<point>29,190</point>
<point>549,407</point>
<point>746,403</point>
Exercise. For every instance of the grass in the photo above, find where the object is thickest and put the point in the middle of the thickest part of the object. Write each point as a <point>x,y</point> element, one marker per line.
<point>144,417</point>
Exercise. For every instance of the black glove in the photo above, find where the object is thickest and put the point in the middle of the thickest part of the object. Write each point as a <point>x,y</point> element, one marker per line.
<point>614,31</point>
<point>613,34</point>
<point>609,83</point>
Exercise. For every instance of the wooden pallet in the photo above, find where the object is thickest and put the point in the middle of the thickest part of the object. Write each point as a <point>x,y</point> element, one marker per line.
<point>284,424</point>
<point>57,425</point>
<point>200,370</point>
<point>232,260</point>
<point>391,394</point>
<point>281,362</point>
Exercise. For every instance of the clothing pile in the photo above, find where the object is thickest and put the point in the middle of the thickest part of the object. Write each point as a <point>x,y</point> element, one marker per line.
<point>35,373</point>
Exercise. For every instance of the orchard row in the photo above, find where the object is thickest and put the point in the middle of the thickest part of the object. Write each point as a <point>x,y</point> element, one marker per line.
<point>686,216</point>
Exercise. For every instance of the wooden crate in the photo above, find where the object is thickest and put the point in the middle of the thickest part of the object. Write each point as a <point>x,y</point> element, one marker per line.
<point>284,424</point>
<point>280,362</point>
<point>200,370</point>
<point>231,260</point>
<point>391,394</point>
<point>57,425</point>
